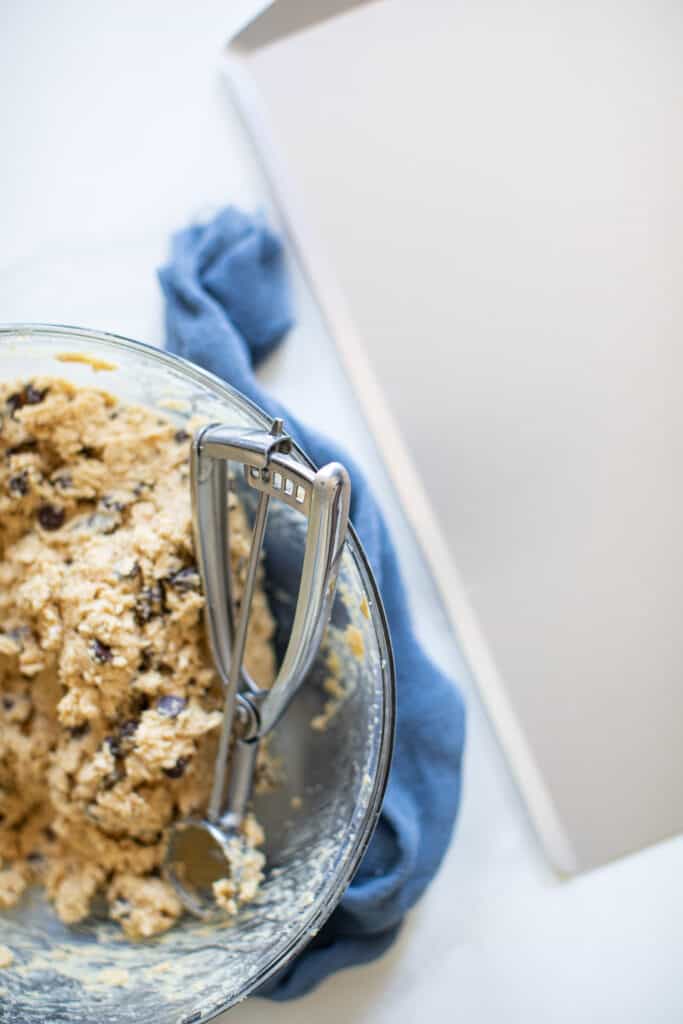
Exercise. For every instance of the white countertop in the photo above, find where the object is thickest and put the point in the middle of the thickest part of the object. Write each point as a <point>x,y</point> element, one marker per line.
<point>119,130</point>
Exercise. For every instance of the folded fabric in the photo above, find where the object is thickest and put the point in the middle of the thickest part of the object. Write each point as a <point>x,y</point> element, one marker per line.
<point>227,307</point>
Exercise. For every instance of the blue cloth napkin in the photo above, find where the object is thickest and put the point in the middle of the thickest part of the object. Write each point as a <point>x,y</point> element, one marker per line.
<point>227,308</point>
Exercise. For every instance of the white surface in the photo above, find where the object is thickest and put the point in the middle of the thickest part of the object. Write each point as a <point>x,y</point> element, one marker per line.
<point>123,133</point>
<point>527,314</point>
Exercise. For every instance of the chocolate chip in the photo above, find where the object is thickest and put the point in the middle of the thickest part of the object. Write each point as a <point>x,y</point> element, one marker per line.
<point>181,436</point>
<point>141,486</point>
<point>19,484</point>
<point>145,660</point>
<point>114,744</point>
<point>50,517</point>
<point>29,445</point>
<point>19,634</point>
<point>185,579</point>
<point>128,728</point>
<point>78,731</point>
<point>7,703</point>
<point>30,395</point>
<point>178,769</point>
<point>170,707</point>
<point>101,653</point>
<point>49,834</point>
<point>149,603</point>
<point>33,395</point>
<point>142,702</point>
<point>109,502</point>
<point>88,452</point>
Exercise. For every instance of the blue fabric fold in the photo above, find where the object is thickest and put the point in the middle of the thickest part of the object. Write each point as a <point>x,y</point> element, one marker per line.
<point>227,307</point>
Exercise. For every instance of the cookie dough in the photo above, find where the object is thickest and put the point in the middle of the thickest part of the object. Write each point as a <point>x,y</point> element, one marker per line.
<point>109,703</point>
<point>246,863</point>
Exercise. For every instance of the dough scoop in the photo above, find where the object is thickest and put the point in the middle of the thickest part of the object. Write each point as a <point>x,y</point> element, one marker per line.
<point>202,851</point>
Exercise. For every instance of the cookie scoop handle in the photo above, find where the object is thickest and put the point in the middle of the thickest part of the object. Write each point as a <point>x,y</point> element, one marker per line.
<point>328,520</point>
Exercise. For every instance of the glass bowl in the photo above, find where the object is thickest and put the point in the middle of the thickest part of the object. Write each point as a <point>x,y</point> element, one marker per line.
<point>90,973</point>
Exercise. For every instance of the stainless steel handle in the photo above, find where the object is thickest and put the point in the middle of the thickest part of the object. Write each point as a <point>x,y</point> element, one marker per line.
<point>231,690</point>
<point>329,513</point>
<point>209,485</point>
<point>240,784</point>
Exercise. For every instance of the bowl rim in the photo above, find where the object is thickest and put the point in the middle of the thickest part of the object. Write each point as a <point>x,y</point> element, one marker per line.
<point>388,667</point>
